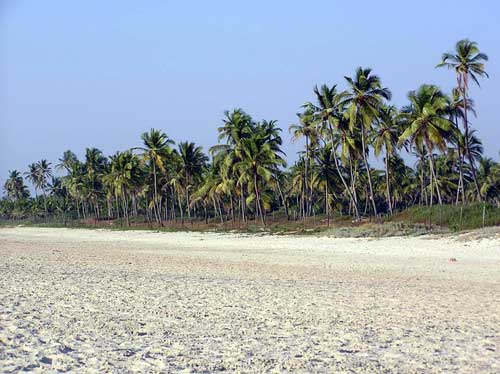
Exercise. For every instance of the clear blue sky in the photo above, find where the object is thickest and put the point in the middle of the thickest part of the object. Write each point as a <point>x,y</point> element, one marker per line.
<point>75,74</point>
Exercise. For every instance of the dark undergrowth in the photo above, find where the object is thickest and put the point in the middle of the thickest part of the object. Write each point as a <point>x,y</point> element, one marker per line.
<point>417,220</point>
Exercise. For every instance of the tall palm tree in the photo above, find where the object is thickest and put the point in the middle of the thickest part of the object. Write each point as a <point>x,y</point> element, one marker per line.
<point>95,165</point>
<point>386,137</point>
<point>427,124</point>
<point>33,176</point>
<point>155,150</point>
<point>329,112</point>
<point>365,98</point>
<point>44,172</point>
<point>259,158</point>
<point>124,172</point>
<point>193,163</point>
<point>309,131</point>
<point>468,63</point>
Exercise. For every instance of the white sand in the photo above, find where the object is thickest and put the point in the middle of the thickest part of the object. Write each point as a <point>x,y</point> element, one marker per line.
<point>83,300</point>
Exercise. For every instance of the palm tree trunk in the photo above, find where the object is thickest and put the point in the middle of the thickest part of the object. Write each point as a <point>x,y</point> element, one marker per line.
<point>187,204</point>
<point>155,203</point>
<point>306,175</point>
<point>431,173</point>
<point>243,208</point>
<point>389,201</point>
<point>282,198</point>
<point>438,192</point>
<point>257,196</point>
<point>180,207</point>
<point>466,130</point>
<point>327,205</point>
<point>356,212</point>
<point>334,153</point>
<point>460,189</point>
<point>367,166</point>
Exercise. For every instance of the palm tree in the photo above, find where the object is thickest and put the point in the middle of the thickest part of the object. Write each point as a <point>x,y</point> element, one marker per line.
<point>67,161</point>
<point>259,159</point>
<point>325,176</point>
<point>14,186</point>
<point>386,137</point>
<point>124,173</point>
<point>365,98</point>
<point>329,112</point>
<point>193,163</point>
<point>306,129</point>
<point>427,125</point>
<point>460,144</point>
<point>155,150</point>
<point>95,165</point>
<point>33,176</point>
<point>468,62</point>
<point>44,172</point>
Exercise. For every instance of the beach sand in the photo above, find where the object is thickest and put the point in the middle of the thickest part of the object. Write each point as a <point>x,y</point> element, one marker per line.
<point>138,301</point>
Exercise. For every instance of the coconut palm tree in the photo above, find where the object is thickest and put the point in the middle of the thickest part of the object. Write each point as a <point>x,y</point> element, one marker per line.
<point>192,162</point>
<point>385,138</point>
<point>124,173</point>
<point>468,63</point>
<point>309,131</point>
<point>95,166</point>
<point>427,125</point>
<point>33,176</point>
<point>155,150</point>
<point>67,161</point>
<point>329,112</point>
<point>259,158</point>
<point>14,186</point>
<point>364,99</point>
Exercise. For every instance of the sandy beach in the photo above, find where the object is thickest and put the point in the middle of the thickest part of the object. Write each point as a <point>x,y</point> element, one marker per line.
<point>138,301</point>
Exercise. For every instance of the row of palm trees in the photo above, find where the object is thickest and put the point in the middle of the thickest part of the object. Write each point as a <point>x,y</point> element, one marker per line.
<point>247,178</point>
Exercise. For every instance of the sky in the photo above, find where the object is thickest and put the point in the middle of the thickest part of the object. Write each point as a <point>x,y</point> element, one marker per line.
<point>93,73</point>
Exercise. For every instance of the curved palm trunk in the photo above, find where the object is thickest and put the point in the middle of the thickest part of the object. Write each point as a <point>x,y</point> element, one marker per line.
<point>438,192</point>
<point>282,198</point>
<point>334,154</point>
<point>367,166</point>
<point>356,212</point>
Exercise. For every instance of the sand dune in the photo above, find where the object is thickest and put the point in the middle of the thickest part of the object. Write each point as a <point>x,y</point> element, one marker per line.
<point>84,300</point>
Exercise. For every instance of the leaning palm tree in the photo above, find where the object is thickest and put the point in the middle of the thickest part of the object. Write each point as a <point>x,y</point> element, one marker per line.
<point>67,161</point>
<point>155,150</point>
<point>468,63</point>
<point>427,125</point>
<point>14,186</point>
<point>386,137</point>
<point>365,98</point>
